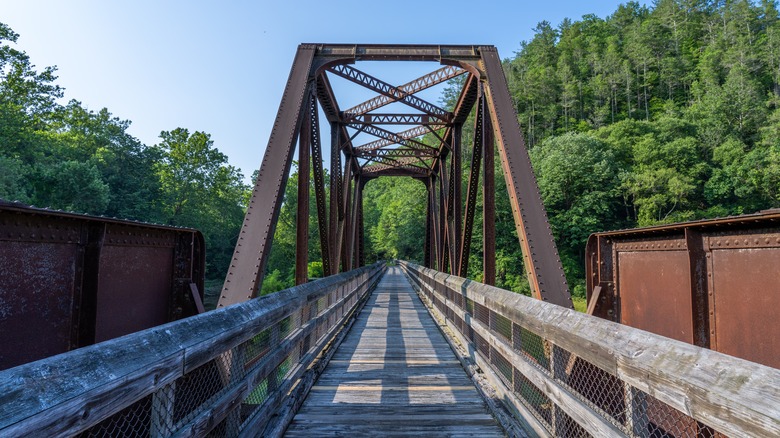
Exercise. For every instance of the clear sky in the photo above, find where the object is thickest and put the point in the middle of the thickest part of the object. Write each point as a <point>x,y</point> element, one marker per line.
<point>220,66</point>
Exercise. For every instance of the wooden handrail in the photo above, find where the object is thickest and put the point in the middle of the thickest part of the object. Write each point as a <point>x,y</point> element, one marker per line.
<point>730,395</point>
<point>71,392</point>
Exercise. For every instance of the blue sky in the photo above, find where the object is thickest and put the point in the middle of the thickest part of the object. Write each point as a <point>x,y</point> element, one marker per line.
<point>220,67</point>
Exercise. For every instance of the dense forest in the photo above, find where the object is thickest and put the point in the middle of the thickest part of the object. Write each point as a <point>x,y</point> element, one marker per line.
<point>654,114</point>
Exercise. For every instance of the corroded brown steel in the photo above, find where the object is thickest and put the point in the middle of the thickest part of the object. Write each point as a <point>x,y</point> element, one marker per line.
<point>302,216</point>
<point>336,214</point>
<point>396,153</point>
<point>712,283</point>
<point>471,192</point>
<point>397,119</point>
<point>488,204</point>
<point>424,82</point>
<point>70,280</point>
<point>254,242</point>
<point>437,161</point>
<point>386,89</point>
<point>319,185</point>
<point>540,255</point>
<point>393,52</point>
<point>456,203</point>
<point>388,138</point>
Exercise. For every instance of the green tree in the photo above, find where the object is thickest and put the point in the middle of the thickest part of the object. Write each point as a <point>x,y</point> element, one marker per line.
<point>201,190</point>
<point>577,176</point>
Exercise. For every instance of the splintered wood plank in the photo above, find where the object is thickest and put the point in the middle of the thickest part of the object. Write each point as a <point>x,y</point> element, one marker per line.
<point>394,375</point>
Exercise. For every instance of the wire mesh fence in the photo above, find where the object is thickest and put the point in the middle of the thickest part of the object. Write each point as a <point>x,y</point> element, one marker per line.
<point>565,392</point>
<point>236,374</point>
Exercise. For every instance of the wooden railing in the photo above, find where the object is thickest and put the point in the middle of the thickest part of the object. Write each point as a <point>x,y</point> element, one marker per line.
<point>237,371</point>
<point>565,373</point>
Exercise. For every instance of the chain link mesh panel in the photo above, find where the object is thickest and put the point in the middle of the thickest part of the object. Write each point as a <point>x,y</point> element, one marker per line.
<point>625,407</point>
<point>172,407</point>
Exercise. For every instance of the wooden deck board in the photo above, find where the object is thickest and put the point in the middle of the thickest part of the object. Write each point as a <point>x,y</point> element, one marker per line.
<point>394,375</point>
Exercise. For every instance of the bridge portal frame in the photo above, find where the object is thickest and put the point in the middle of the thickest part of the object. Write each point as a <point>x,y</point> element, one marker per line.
<point>449,226</point>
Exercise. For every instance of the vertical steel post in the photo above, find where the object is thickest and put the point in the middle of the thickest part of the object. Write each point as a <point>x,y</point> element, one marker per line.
<point>488,202</point>
<point>540,256</point>
<point>473,187</point>
<point>335,195</point>
<point>348,225</point>
<point>456,184</point>
<point>302,216</point>
<point>319,185</point>
<point>247,266</point>
<point>442,216</point>
<point>428,249</point>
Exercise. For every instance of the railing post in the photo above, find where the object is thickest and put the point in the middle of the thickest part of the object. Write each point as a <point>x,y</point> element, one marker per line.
<point>233,419</point>
<point>636,408</point>
<point>163,401</point>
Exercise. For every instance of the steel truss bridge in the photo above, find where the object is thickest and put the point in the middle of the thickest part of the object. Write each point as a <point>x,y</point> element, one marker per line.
<point>403,349</point>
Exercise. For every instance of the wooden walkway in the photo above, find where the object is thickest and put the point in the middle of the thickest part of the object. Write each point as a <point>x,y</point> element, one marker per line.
<point>394,375</point>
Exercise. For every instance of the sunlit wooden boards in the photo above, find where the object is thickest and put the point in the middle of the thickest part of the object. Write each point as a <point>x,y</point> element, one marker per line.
<point>394,375</point>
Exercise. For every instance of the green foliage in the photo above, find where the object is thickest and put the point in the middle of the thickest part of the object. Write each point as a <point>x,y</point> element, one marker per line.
<point>201,190</point>
<point>315,269</point>
<point>71,158</point>
<point>395,218</point>
<point>274,282</point>
<point>578,179</point>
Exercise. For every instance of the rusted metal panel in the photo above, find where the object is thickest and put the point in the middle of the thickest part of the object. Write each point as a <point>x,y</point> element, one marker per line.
<point>133,289</point>
<point>37,296</point>
<point>642,306</point>
<point>746,291</point>
<point>712,283</point>
<point>69,280</point>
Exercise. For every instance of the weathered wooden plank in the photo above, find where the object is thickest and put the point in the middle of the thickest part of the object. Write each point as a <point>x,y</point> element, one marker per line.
<point>398,376</point>
<point>76,414</point>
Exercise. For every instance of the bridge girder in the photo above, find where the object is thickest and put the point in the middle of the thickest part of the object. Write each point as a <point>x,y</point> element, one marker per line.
<point>431,151</point>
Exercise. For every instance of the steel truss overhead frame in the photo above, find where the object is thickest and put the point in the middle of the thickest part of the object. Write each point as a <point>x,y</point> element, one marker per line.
<point>428,148</point>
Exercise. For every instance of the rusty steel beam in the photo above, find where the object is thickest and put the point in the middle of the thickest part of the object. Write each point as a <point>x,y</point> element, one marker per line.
<point>390,52</point>
<point>336,215</point>
<point>471,193</point>
<point>302,216</point>
<point>395,153</point>
<point>397,119</point>
<point>427,244</point>
<point>466,100</point>
<point>388,138</point>
<point>540,255</point>
<point>488,204</point>
<point>375,171</point>
<point>442,215</point>
<point>378,85</point>
<point>327,99</point>
<point>456,202</point>
<point>319,185</point>
<point>405,162</point>
<point>424,82</point>
<point>254,242</point>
